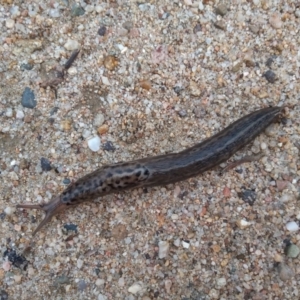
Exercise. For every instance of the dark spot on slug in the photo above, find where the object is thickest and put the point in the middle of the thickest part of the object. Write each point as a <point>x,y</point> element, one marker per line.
<point>129,170</point>
<point>127,177</point>
<point>109,175</point>
<point>119,171</point>
<point>146,172</point>
<point>117,181</point>
<point>138,174</point>
<point>65,199</point>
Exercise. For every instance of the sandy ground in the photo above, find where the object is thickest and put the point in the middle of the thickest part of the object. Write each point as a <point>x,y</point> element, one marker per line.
<point>151,78</point>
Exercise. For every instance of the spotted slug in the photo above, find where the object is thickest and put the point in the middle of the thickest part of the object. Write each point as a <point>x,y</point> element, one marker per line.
<point>162,169</point>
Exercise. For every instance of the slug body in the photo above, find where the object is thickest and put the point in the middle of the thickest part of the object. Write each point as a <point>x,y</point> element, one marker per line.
<point>163,169</point>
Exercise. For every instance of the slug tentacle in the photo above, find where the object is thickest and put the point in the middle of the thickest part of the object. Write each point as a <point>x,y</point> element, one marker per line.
<point>51,208</point>
<point>162,169</point>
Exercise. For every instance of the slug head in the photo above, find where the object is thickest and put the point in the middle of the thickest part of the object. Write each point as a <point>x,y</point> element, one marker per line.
<point>51,208</point>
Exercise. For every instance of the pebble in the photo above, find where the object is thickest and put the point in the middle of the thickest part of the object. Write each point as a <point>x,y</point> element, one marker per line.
<point>221,282</point>
<point>102,297</point>
<point>292,226</point>
<point>9,112</point>
<point>79,263</point>
<point>185,244</point>
<point>94,143</point>
<point>163,249</point>
<point>70,227</point>
<point>109,146</point>
<point>136,288</point>
<point>221,10</point>
<point>9,210</point>
<point>28,98</point>
<point>110,62</point>
<point>20,114</point>
<point>168,285</point>
<point>77,11</point>
<point>54,13</point>
<point>26,66</point>
<point>81,285</point>
<point>71,45</point>
<point>220,25</point>
<point>285,272</point>
<point>99,120</point>
<point>275,21</point>
<point>128,25</point>
<point>105,80</point>
<point>197,28</point>
<point>103,129</point>
<point>100,282</point>
<point>45,164</point>
<point>248,196</point>
<point>270,76</point>
<point>292,251</point>
<point>182,113</point>
<point>243,223</point>
<point>3,295</point>
<point>194,89</point>
<point>9,23</point>
<point>102,31</point>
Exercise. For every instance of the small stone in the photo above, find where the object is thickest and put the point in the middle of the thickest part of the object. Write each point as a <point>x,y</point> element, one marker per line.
<point>185,244</point>
<point>145,84</point>
<point>54,13</point>
<point>168,285</point>
<point>102,297</point>
<point>248,196</point>
<point>99,119</point>
<point>199,112</point>
<point>66,125</point>
<point>182,113</point>
<point>105,80</point>
<point>72,71</point>
<point>9,23</point>
<point>109,146</point>
<point>9,112</point>
<point>103,129</point>
<point>128,25</point>
<point>270,76</point>
<point>89,8</point>
<point>281,185</point>
<point>292,251</point>
<point>17,279</point>
<point>237,66</point>
<point>254,28</point>
<point>28,98</point>
<point>292,226</point>
<point>77,11</point>
<point>136,288</point>
<point>94,143</point>
<point>221,282</point>
<point>197,28</point>
<point>9,210</point>
<point>45,164</point>
<point>20,114</point>
<point>121,282</point>
<point>275,21</point>
<point>26,66</point>
<point>194,89</point>
<point>220,25</point>
<point>79,263</point>
<point>70,227</point>
<point>285,272</point>
<point>71,45</point>
<point>81,285</point>
<point>6,266</point>
<point>163,249</point>
<point>100,282</point>
<point>110,62</point>
<point>62,279</point>
<point>242,224</point>
<point>102,31</point>
<point>221,10</point>
<point>66,181</point>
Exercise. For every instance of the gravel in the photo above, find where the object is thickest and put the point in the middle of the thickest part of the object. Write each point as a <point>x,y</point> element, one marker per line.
<point>151,77</point>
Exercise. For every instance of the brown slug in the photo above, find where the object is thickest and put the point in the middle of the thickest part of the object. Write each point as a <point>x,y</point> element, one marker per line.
<point>163,169</point>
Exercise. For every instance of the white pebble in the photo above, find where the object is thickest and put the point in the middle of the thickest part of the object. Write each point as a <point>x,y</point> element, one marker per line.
<point>9,112</point>
<point>163,249</point>
<point>292,226</point>
<point>94,143</point>
<point>185,245</point>
<point>221,282</point>
<point>79,263</point>
<point>177,243</point>
<point>99,119</point>
<point>100,282</point>
<point>14,11</point>
<point>10,23</point>
<point>263,146</point>
<point>71,45</point>
<point>72,71</point>
<point>121,281</point>
<point>9,210</point>
<point>99,9</point>
<point>89,8</point>
<point>54,13</point>
<point>105,80</point>
<point>20,114</point>
<point>135,288</point>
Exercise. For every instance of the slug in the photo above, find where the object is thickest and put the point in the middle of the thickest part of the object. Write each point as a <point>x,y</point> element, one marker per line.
<point>162,169</point>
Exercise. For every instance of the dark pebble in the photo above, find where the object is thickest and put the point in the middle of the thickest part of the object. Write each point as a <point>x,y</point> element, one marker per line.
<point>102,30</point>
<point>18,261</point>
<point>128,25</point>
<point>248,196</point>
<point>26,67</point>
<point>108,146</point>
<point>45,164</point>
<point>197,28</point>
<point>54,110</point>
<point>239,171</point>
<point>71,227</point>
<point>77,11</point>
<point>66,181</point>
<point>28,98</point>
<point>97,271</point>
<point>3,295</point>
<point>165,16</point>
<point>81,285</point>
<point>270,76</point>
<point>269,61</point>
<point>2,216</point>
<point>182,113</point>
<point>221,10</point>
<point>178,89</point>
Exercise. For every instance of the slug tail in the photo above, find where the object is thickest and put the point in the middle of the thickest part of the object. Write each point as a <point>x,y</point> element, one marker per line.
<point>51,208</point>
